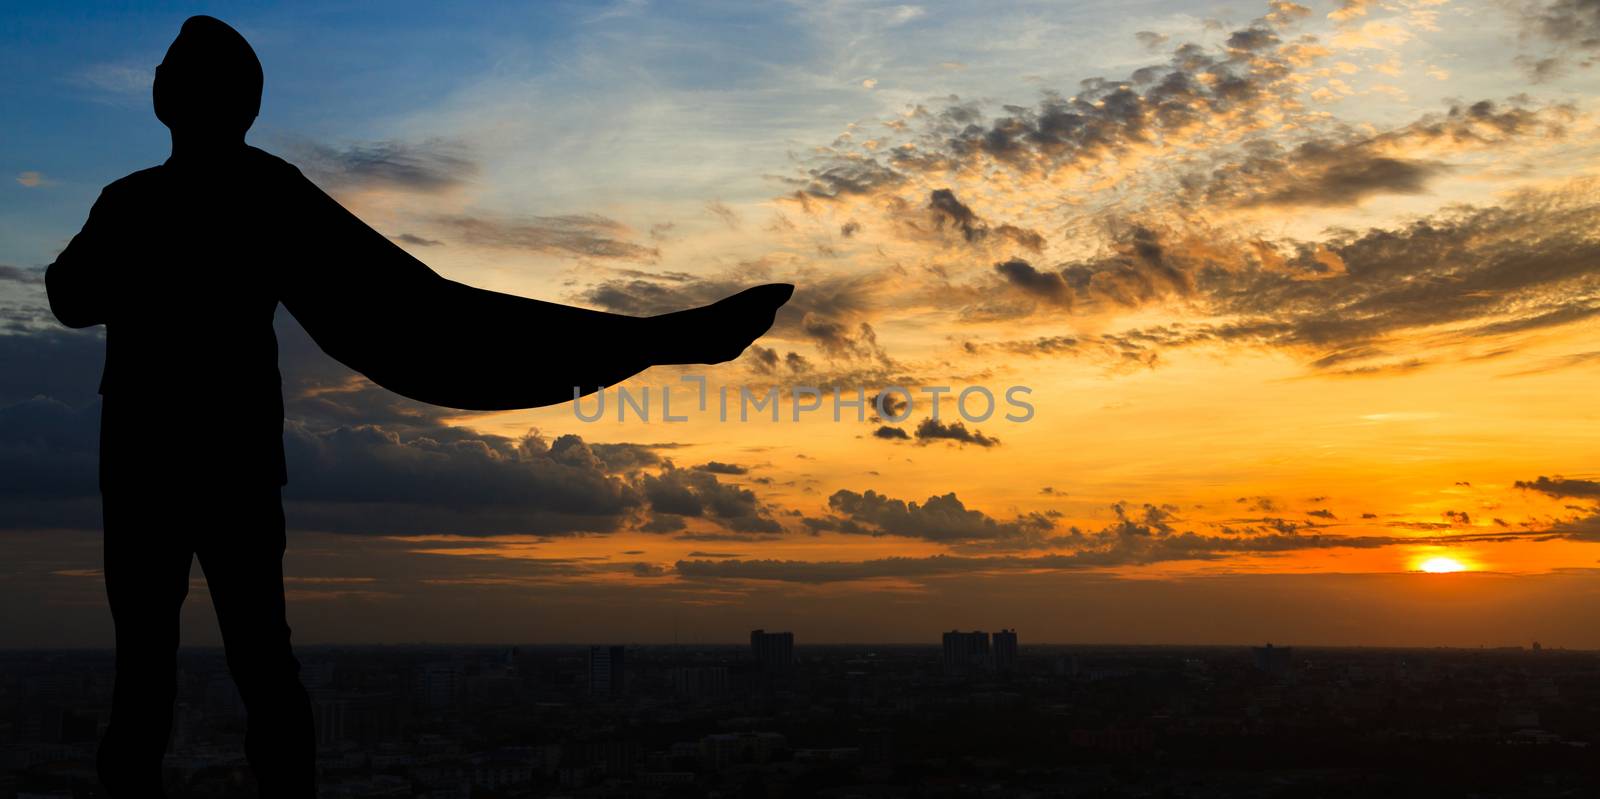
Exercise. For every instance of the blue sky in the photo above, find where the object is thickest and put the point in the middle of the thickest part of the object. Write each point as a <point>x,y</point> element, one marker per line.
<point>700,85</point>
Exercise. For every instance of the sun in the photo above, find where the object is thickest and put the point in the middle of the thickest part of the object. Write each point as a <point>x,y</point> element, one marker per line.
<point>1441,566</point>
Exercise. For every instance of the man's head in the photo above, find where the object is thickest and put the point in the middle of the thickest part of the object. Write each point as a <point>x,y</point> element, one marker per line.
<point>209,85</point>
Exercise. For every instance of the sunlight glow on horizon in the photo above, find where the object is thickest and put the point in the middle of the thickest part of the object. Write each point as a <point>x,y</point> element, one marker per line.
<point>1441,565</point>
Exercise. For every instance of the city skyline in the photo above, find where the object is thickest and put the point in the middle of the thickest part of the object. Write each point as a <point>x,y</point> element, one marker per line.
<point>709,721</point>
<point>1304,297</point>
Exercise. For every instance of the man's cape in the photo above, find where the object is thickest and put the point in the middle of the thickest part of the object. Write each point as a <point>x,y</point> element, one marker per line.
<point>375,308</point>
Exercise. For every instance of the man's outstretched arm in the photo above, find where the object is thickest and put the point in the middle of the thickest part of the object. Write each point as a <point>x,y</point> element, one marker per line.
<point>371,305</point>
<point>76,282</point>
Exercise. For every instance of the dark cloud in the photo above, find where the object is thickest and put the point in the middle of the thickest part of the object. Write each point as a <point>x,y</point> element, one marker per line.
<point>1323,176</point>
<point>944,519</point>
<point>764,360</point>
<point>1528,264</point>
<point>697,493</point>
<point>1151,39</point>
<point>931,429</point>
<point>17,274</point>
<point>1572,26</point>
<point>738,538</point>
<point>365,479</point>
<point>587,235</point>
<point>430,166</point>
<point>893,404</point>
<point>829,310</point>
<point>663,523</point>
<point>1346,169</point>
<point>1138,536</point>
<point>950,213</point>
<point>843,342</point>
<point>1104,119</point>
<point>1559,486</point>
<point>1141,267</point>
<point>361,460</point>
<point>49,452</point>
<point>627,457</point>
<point>1250,39</point>
<point>845,178</point>
<point>718,467</point>
<point>724,213</point>
<point>946,208</point>
<point>891,433</point>
<point>63,365</point>
<point>1532,259</point>
<point>416,241</point>
<point>1049,286</point>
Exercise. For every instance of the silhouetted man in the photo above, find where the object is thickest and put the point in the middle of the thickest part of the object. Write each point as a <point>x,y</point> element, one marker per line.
<point>185,264</point>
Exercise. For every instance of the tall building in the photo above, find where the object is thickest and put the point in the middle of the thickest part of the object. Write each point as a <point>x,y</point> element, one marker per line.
<point>774,651</point>
<point>607,670</point>
<point>965,652</point>
<point>1005,650</point>
<point>1273,660</point>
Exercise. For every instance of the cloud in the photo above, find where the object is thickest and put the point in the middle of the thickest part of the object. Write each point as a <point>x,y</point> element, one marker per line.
<point>931,429</point>
<point>625,457</point>
<point>1349,9</point>
<point>846,178</point>
<point>55,364</point>
<point>415,240</point>
<point>124,81</point>
<point>1559,486</point>
<point>1141,267</point>
<point>1472,273</point>
<point>1105,119</point>
<point>698,493</point>
<point>361,460</point>
<point>1150,39</point>
<point>1377,34</point>
<point>1139,536</point>
<point>18,274</point>
<point>365,479</point>
<point>1048,286</point>
<point>724,213</point>
<point>946,209</point>
<point>825,307</point>
<point>30,179</point>
<point>1343,170</point>
<point>943,519</point>
<point>1334,177</point>
<point>427,167</point>
<point>893,404</point>
<point>1572,26</point>
<point>586,235</point>
<point>827,311</point>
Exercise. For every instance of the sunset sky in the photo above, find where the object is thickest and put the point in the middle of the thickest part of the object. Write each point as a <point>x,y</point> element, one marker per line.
<point>1304,297</point>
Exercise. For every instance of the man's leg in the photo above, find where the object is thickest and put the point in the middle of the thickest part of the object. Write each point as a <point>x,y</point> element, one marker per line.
<point>146,563</point>
<point>243,563</point>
